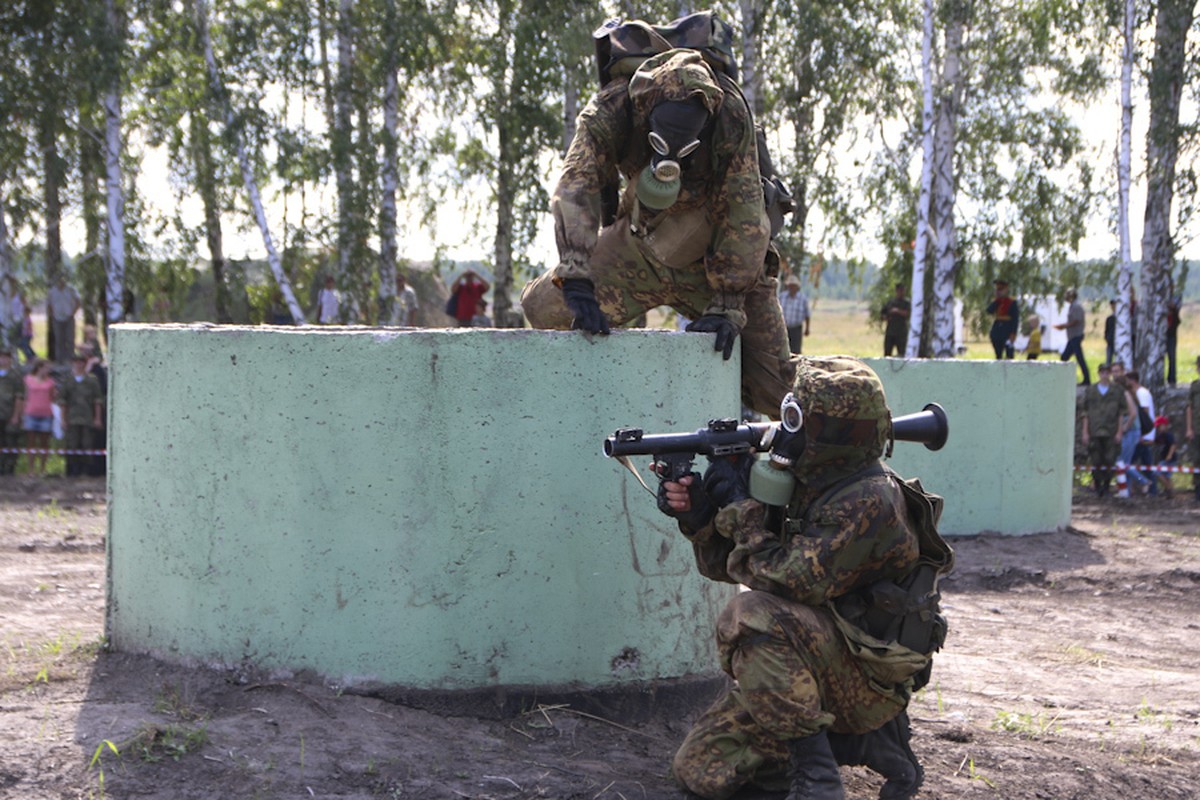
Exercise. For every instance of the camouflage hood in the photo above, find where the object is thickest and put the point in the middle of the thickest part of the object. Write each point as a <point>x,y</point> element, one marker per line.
<point>846,418</point>
<point>674,75</point>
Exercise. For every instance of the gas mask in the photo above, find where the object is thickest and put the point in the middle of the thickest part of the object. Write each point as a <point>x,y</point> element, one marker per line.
<point>771,479</point>
<point>675,128</point>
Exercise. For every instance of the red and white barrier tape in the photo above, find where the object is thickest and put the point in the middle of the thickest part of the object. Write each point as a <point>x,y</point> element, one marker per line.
<point>33,452</point>
<point>1139,468</point>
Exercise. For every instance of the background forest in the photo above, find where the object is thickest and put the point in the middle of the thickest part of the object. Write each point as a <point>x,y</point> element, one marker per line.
<point>257,145</point>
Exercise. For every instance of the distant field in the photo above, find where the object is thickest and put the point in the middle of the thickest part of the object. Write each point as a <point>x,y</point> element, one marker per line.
<point>843,326</point>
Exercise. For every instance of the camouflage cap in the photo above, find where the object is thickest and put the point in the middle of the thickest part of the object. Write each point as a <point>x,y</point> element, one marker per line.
<point>846,415</point>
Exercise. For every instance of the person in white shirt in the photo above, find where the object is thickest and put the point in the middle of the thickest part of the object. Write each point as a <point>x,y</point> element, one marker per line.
<point>795,313</point>
<point>404,307</point>
<point>328,302</point>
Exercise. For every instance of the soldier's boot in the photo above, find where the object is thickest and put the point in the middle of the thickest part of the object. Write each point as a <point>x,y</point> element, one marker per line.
<point>886,751</point>
<point>813,769</point>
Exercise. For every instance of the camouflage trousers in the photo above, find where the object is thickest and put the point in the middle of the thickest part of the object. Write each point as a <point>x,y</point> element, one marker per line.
<point>795,677</point>
<point>1103,452</point>
<point>629,282</point>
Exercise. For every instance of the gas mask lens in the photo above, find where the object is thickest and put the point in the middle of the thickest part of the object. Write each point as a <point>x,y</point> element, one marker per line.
<point>790,415</point>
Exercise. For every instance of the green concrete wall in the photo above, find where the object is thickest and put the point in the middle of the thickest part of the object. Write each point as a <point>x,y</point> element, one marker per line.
<point>431,508</point>
<point>426,508</point>
<point>1007,466</point>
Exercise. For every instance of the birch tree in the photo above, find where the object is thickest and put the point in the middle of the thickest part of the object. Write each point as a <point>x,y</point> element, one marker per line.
<point>924,238</point>
<point>220,99</point>
<point>1123,336</point>
<point>113,147</point>
<point>949,105</point>
<point>1172,24</point>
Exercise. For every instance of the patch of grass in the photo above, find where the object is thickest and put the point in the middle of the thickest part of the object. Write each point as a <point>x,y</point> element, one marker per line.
<point>152,743</point>
<point>1027,725</point>
<point>1148,715</point>
<point>1078,654</point>
<point>172,702</point>
<point>96,764</point>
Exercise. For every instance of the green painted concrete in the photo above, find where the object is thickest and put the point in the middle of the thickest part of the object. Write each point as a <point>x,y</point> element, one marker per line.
<point>425,508</point>
<point>1007,466</point>
<point>431,508</point>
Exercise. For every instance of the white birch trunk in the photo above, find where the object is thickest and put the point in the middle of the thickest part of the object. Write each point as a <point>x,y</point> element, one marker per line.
<point>115,274</point>
<point>342,141</point>
<point>570,108</point>
<point>1167,76</point>
<point>921,247</point>
<point>944,189</point>
<point>8,286</point>
<point>1123,337</point>
<point>251,183</point>
<point>753,18</point>
<point>387,209</point>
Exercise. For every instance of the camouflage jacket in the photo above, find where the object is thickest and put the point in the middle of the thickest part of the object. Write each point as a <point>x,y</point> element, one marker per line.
<point>858,536</point>
<point>721,178</point>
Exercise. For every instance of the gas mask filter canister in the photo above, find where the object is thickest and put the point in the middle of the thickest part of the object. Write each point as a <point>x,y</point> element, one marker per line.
<point>675,128</point>
<point>771,479</point>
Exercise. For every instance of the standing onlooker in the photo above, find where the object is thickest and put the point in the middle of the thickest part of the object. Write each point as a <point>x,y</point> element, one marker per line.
<point>795,313</point>
<point>895,314</point>
<point>1144,453</point>
<point>90,346</point>
<point>1192,431</point>
<point>1165,441</point>
<point>469,289</point>
<point>1131,431</point>
<point>41,394</point>
<point>1006,312</point>
<point>82,404</point>
<point>1074,326</point>
<point>12,405</point>
<point>1110,332</point>
<point>62,303</point>
<point>481,318</point>
<point>1173,303</point>
<point>404,305</point>
<point>1101,433</point>
<point>25,338</point>
<point>328,303</point>
<point>1033,329</point>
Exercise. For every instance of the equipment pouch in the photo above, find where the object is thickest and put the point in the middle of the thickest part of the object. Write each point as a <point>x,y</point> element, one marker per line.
<point>678,239</point>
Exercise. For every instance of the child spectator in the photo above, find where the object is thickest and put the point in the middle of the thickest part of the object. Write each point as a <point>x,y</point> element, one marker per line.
<point>40,396</point>
<point>1033,328</point>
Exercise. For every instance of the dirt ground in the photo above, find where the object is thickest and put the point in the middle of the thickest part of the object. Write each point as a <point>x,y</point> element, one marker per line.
<point>1071,672</point>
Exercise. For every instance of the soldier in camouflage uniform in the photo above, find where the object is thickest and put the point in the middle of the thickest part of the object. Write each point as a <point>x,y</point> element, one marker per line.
<point>691,230</point>
<point>1101,433</point>
<point>812,689</point>
<point>82,402</point>
<point>1192,416</point>
<point>12,403</point>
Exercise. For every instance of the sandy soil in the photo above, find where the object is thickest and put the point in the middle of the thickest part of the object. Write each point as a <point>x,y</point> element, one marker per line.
<point>1071,672</point>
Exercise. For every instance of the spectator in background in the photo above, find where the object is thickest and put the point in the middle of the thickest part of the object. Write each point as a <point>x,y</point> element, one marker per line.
<point>1131,431</point>
<point>12,406</point>
<point>1165,444</point>
<point>62,303</point>
<point>796,316</point>
<point>404,305</point>
<point>1074,326</point>
<point>1110,332</point>
<point>82,404</point>
<point>1173,303</point>
<point>481,319</point>
<point>1033,329</point>
<point>41,394</point>
<point>1103,405</point>
<point>1006,312</point>
<point>24,337</point>
<point>895,314</point>
<point>328,303</point>
<point>1192,429</point>
<point>90,346</point>
<point>1144,452</point>
<point>469,288</point>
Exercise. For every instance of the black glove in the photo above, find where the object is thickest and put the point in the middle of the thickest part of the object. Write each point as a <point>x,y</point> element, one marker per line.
<point>580,296</point>
<point>726,332</point>
<point>728,479</point>
<point>701,512</point>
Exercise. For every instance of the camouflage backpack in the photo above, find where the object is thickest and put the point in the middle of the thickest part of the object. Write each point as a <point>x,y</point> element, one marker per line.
<point>621,47</point>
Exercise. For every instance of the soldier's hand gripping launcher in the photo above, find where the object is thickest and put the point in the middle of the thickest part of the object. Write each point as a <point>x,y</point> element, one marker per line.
<point>674,453</point>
